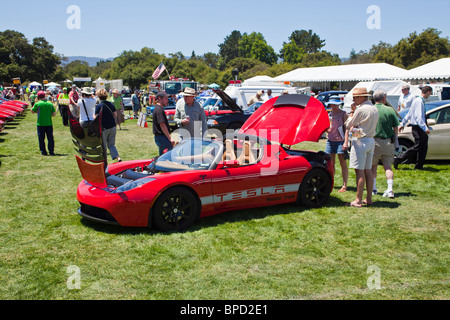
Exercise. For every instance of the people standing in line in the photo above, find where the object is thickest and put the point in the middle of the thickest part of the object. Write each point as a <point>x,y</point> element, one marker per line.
<point>190,116</point>
<point>416,115</point>
<point>116,100</point>
<point>108,123</point>
<point>63,103</point>
<point>161,125</point>
<point>74,97</point>
<point>385,141</point>
<point>336,138</point>
<point>136,103</point>
<point>45,111</point>
<point>362,125</point>
<point>406,99</point>
<point>86,107</point>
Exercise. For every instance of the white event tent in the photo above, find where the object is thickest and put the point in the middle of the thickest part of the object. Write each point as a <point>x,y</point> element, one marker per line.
<point>439,69</point>
<point>343,73</point>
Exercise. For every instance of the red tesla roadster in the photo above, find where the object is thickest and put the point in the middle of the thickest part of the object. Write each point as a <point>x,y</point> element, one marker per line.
<point>254,167</point>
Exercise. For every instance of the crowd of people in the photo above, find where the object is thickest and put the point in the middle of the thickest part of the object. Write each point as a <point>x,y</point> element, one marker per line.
<point>366,136</point>
<point>370,132</point>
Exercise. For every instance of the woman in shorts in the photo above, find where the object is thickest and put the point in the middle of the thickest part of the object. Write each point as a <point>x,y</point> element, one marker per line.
<point>336,138</point>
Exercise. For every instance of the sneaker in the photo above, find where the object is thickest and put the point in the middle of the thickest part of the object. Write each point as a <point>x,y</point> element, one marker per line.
<point>374,192</point>
<point>389,194</point>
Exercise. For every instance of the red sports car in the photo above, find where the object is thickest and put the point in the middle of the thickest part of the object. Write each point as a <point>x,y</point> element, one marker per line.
<point>199,177</point>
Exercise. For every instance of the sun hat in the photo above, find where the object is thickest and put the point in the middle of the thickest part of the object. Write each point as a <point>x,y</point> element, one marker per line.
<point>87,91</point>
<point>334,100</point>
<point>116,91</point>
<point>361,92</point>
<point>189,92</point>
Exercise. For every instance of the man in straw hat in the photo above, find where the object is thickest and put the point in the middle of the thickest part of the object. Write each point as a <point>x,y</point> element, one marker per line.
<point>190,116</point>
<point>362,124</point>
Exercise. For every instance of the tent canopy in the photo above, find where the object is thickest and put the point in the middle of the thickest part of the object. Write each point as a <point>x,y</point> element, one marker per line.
<point>433,70</point>
<point>341,73</point>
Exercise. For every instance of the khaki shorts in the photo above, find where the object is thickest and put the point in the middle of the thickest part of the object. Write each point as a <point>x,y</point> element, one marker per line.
<point>384,151</point>
<point>361,154</point>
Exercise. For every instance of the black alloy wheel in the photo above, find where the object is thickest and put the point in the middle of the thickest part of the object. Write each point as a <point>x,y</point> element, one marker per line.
<point>175,210</point>
<point>315,189</point>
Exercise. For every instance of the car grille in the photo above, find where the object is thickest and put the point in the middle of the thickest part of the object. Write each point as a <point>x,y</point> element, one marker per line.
<point>97,214</point>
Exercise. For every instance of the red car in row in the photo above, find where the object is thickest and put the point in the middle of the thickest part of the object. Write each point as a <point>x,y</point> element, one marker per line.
<point>9,109</point>
<point>255,167</point>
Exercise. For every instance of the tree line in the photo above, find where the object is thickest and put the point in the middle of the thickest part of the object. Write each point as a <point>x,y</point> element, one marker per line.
<point>249,53</point>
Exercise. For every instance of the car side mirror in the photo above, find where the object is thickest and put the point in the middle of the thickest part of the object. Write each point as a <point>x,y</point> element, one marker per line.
<point>431,122</point>
<point>228,164</point>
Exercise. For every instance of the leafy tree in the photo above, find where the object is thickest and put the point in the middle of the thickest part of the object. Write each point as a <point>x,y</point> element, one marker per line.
<point>416,50</point>
<point>229,49</point>
<point>307,40</point>
<point>254,46</point>
<point>291,53</point>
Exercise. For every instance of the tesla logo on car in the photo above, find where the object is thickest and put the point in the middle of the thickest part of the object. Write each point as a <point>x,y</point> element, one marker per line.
<point>255,192</point>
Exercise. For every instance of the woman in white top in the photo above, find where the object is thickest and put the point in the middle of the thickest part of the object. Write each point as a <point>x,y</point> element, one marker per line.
<point>86,107</point>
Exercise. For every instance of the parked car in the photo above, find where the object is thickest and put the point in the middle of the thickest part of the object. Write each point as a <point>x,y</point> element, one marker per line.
<point>126,98</point>
<point>253,107</point>
<point>244,171</point>
<point>438,120</point>
<point>324,97</point>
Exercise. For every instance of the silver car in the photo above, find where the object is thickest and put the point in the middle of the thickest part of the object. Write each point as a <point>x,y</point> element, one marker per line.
<point>438,120</point>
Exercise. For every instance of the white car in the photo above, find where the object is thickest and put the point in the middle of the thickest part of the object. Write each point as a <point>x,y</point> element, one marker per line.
<point>438,120</point>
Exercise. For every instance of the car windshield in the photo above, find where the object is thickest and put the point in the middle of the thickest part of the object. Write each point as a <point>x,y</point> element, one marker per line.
<point>191,154</point>
<point>210,102</point>
<point>126,95</point>
<point>253,107</point>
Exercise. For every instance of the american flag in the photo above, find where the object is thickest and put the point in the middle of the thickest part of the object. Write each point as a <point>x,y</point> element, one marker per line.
<point>158,71</point>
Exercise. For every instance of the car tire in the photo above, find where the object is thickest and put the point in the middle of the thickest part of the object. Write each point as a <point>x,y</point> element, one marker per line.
<point>403,146</point>
<point>175,210</point>
<point>315,189</point>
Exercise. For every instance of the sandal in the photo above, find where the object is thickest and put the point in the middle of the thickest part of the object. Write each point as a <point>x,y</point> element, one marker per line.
<point>354,204</point>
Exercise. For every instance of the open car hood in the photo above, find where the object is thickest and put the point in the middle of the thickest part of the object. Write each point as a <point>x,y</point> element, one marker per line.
<point>289,119</point>
<point>228,100</point>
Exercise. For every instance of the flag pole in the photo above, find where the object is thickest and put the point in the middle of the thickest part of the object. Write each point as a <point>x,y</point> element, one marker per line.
<point>166,70</point>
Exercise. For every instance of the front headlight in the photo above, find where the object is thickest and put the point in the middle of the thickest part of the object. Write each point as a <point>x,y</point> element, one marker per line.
<point>212,122</point>
<point>171,116</point>
<point>133,185</point>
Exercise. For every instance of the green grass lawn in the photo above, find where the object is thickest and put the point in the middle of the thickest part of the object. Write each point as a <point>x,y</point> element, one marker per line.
<point>282,252</point>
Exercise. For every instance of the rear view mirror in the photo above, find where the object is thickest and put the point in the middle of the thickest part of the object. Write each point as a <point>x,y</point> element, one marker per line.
<point>431,122</point>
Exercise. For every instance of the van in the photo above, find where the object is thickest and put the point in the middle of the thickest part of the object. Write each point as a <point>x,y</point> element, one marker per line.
<point>243,94</point>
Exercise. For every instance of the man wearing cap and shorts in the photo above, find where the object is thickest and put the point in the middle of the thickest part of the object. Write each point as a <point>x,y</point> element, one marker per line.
<point>190,116</point>
<point>385,141</point>
<point>362,124</point>
<point>406,99</point>
<point>160,124</point>
<point>45,111</point>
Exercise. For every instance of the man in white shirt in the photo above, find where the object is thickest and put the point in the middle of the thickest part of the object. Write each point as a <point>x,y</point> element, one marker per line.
<point>406,99</point>
<point>86,107</point>
<point>268,96</point>
<point>420,131</point>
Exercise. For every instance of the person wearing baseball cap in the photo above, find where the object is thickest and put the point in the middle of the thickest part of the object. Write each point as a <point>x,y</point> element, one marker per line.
<point>45,111</point>
<point>161,125</point>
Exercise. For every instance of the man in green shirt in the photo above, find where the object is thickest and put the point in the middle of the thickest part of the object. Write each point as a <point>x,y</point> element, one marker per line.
<point>385,142</point>
<point>45,111</point>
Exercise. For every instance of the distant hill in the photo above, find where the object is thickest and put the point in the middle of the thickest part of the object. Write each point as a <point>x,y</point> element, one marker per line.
<point>92,61</point>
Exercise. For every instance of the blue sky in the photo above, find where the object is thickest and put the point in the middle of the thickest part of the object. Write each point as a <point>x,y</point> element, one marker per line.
<point>109,27</point>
